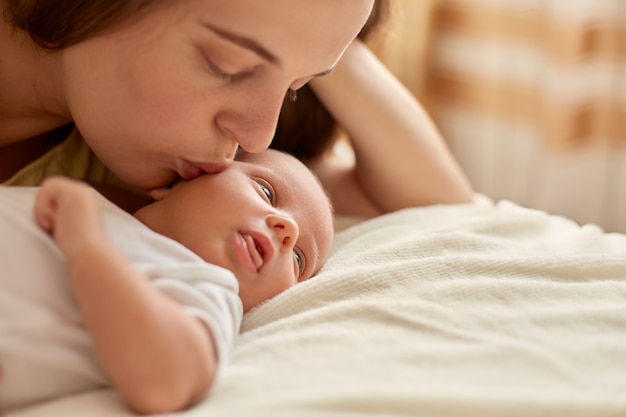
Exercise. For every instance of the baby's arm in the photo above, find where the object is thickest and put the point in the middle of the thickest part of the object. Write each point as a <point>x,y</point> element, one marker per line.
<point>401,159</point>
<point>159,357</point>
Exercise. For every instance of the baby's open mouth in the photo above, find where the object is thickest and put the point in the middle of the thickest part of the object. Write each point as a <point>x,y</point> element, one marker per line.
<point>255,250</point>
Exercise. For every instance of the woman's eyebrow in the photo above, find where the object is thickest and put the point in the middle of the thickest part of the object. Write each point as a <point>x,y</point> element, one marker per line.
<point>253,46</point>
<point>244,42</point>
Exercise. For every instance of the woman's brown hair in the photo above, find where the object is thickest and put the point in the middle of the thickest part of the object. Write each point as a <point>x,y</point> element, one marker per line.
<point>58,24</point>
<point>305,128</point>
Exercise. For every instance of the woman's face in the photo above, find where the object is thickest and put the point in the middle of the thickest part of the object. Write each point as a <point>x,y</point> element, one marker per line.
<point>176,89</point>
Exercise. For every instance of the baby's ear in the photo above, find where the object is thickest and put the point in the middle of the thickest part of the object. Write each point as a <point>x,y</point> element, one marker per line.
<point>158,194</point>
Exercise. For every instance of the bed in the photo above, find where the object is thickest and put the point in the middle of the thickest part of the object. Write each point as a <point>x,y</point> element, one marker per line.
<point>485,309</point>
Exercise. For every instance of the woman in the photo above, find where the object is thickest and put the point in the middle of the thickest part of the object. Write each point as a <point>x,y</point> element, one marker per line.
<point>400,160</point>
<point>159,90</point>
<point>162,91</point>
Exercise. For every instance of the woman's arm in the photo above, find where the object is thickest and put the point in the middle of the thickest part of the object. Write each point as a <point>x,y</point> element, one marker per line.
<point>401,158</point>
<point>159,357</point>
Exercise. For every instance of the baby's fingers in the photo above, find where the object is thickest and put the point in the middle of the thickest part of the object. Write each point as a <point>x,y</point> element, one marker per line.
<point>46,204</point>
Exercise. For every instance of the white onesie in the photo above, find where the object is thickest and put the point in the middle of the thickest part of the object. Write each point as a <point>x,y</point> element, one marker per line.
<point>44,348</point>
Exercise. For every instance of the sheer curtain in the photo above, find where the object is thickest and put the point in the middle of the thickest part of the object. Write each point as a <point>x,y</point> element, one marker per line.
<point>530,94</point>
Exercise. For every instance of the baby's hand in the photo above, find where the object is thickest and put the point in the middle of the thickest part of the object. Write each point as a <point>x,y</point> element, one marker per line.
<point>71,211</point>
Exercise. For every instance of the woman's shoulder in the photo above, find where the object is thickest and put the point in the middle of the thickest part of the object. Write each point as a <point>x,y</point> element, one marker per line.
<point>70,157</point>
<point>57,159</point>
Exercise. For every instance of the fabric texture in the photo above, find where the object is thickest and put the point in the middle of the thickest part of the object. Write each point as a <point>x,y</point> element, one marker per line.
<point>44,348</point>
<point>551,67</point>
<point>71,158</point>
<point>474,310</point>
<point>530,96</point>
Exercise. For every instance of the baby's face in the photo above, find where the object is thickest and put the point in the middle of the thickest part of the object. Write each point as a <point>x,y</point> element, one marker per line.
<point>266,218</point>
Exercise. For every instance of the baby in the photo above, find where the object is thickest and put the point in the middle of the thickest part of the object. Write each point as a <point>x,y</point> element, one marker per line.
<point>107,300</point>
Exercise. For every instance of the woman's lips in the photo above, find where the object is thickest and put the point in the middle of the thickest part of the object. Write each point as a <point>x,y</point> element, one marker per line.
<point>190,170</point>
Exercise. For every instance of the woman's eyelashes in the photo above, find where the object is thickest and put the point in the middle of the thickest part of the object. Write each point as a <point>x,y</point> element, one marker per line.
<point>226,75</point>
<point>216,70</point>
<point>229,76</point>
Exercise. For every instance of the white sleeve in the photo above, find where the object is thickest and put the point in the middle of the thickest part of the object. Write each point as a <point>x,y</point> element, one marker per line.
<point>208,292</point>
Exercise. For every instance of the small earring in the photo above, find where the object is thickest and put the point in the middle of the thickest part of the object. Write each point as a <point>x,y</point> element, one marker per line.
<point>292,95</point>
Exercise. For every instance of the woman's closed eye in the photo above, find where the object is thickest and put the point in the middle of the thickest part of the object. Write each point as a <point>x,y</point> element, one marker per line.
<point>226,75</point>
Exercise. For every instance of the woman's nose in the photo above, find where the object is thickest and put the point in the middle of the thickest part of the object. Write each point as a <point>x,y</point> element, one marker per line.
<point>252,122</point>
<point>285,229</point>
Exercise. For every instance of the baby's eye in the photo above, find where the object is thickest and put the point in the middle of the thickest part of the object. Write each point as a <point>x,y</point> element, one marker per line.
<point>299,261</point>
<point>266,189</point>
<point>267,192</point>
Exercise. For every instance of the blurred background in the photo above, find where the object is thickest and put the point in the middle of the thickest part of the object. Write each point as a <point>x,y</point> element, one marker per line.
<point>529,94</point>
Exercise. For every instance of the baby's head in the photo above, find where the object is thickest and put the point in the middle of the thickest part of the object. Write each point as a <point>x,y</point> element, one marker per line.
<point>266,218</point>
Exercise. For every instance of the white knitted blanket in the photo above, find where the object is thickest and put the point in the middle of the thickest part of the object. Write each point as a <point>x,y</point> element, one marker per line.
<point>470,310</point>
